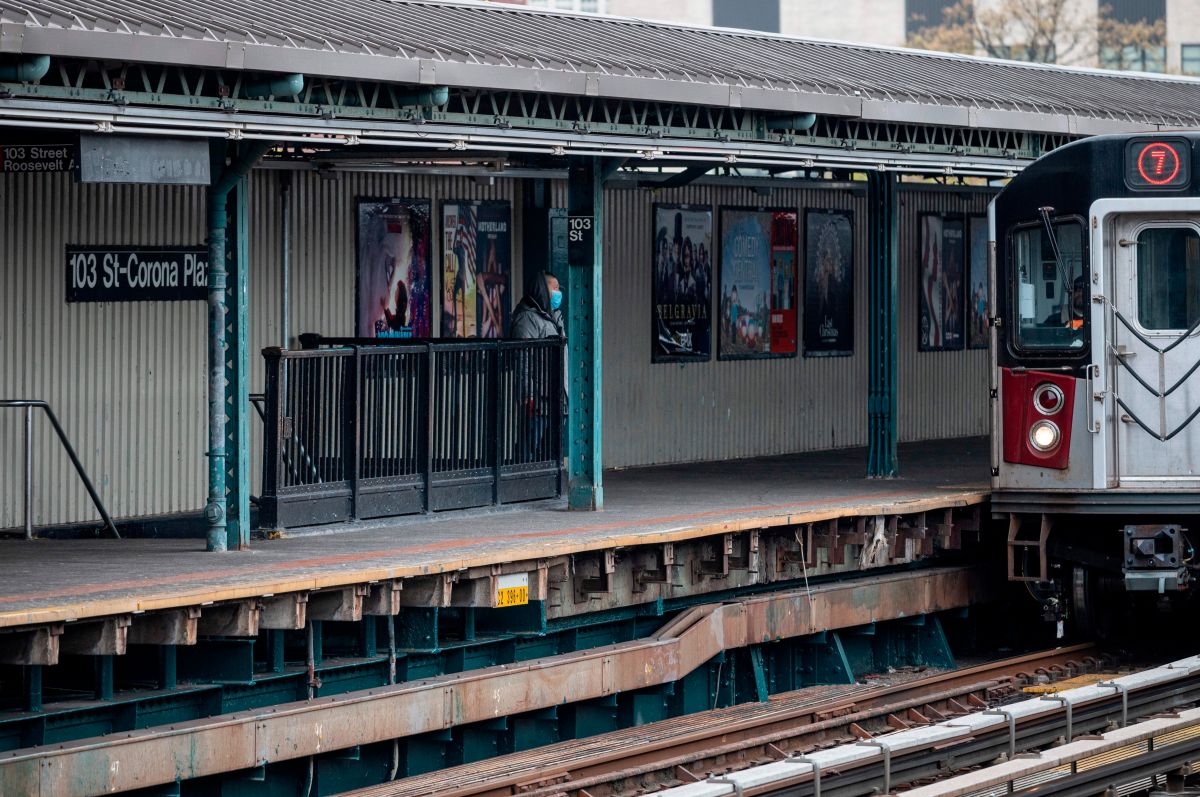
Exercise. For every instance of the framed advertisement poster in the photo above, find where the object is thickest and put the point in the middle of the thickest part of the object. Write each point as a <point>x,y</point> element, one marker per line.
<point>393,269</point>
<point>757,314</point>
<point>828,283</point>
<point>476,269</point>
<point>978,335</point>
<point>682,284</point>
<point>940,288</point>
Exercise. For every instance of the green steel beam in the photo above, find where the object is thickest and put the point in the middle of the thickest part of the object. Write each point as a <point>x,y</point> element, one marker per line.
<point>882,311</point>
<point>230,91</point>
<point>585,199</point>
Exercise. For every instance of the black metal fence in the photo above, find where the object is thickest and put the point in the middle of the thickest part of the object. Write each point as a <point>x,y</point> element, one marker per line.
<point>358,429</point>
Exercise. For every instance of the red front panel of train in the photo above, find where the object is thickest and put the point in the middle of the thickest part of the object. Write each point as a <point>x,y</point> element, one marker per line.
<point>1038,408</point>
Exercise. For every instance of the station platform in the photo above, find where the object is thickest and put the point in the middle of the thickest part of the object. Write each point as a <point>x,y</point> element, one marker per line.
<point>54,581</point>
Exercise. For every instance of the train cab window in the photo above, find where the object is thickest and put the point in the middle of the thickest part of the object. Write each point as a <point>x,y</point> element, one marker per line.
<point>1168,277</point>
<point>1050,294</point>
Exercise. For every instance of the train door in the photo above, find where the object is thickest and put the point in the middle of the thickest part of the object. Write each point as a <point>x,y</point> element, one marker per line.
<point>1154,324</point>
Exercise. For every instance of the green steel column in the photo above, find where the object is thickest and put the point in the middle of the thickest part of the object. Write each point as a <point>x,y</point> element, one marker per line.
<point>221,391</point>
<point>883,247</point>
<point>585,200</point>
<point>237,370</point>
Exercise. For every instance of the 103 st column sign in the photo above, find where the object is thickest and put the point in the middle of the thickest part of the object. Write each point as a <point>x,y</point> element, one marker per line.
<point>136,274</point>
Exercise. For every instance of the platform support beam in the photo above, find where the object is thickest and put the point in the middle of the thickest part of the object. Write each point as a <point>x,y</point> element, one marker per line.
<point>228,360</point>
<point>585,204</point>
<point>883,260</point>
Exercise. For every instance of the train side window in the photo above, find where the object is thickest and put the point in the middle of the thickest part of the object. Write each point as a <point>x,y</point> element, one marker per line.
<point>1050,297</point>
<point>1168,277</point>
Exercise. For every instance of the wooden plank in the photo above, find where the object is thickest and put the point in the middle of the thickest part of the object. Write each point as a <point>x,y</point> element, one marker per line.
<point>107,637</point>
<point>284,612</point>
<point>38,645</point>
<point>339,605</point>
<point>239,619</point>
<point>171,627</point>
<point>384,599</point>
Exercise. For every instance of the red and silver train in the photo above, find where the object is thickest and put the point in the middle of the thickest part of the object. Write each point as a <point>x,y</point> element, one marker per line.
<point>1095,391</point>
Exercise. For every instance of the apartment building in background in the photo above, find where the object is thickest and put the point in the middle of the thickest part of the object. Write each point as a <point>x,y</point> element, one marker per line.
<point>890,22</point>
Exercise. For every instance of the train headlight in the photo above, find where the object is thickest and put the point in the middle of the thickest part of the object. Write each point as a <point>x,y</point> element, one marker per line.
<point>1044,436</point>
<point>1048,398</point>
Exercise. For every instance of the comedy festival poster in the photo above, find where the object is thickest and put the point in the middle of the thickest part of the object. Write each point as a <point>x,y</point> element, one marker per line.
<point>682,284</point>
<point>393,268</point>
<point>476,269</point>
<point>758,283</point>
<point>828,283</point>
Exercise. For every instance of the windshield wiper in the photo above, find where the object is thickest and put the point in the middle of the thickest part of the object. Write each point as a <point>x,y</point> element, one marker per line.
<point>1063,275</point>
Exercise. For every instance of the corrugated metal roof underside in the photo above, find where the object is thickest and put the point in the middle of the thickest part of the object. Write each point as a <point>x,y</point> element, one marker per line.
<point>500,47</point>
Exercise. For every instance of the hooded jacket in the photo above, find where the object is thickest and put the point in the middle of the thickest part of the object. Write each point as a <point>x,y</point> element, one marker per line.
<point>533,319</point>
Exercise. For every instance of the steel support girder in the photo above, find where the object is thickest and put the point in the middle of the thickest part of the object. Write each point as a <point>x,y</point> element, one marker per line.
<point>585,197</point>
<point>245,740</point>
<point>882,312</point>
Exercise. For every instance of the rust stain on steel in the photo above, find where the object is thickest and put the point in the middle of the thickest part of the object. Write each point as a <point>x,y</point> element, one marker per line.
<point>243,740</point>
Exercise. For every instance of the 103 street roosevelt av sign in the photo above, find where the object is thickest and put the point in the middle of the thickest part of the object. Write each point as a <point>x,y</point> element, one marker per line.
<point>136,274</point>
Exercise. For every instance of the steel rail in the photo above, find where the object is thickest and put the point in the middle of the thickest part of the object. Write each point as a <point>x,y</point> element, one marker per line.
<point>963,742</point>
<point>1161,753</point>
<point>653,751</point>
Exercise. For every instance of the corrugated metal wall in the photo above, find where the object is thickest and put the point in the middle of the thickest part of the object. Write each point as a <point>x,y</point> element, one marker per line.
<point>719,409</point>
<point>128,379</point>
<point>942,393</point>
<point>743,408</point>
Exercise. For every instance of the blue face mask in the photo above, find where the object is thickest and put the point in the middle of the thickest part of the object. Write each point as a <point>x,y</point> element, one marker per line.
<point>555,300</point>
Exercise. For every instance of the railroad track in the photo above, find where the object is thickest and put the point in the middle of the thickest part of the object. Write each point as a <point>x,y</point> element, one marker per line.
<point>687,748</point>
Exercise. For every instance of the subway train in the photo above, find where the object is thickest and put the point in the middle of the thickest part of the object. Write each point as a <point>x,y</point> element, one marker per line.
<point>1095,395</point>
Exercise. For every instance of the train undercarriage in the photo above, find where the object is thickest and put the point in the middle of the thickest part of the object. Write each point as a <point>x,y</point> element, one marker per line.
<point>1100,576</point>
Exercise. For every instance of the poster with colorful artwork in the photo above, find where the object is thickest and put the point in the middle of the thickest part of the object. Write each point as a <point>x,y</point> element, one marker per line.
<point>393,268</point>
<point>978,335</point>
<point>940,291</point>
<point>758,283</point>
<point>828,283</point>
<point>682,284</point>
<point>476,269</point>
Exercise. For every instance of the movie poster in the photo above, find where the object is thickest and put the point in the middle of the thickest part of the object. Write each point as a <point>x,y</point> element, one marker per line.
<point>941,290</point>
<point>758,283</point>
<point>977,285</point>
<point>828,283</point>
<point>682,313</point>
<point>476,269</point>
<point>393,268</point>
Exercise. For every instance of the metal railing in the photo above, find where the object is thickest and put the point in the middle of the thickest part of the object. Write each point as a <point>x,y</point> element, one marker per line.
<point>29,405</point>
<point>364,428</point>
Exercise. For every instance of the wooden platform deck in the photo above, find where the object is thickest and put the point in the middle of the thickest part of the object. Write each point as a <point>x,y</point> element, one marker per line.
<point>53,581</point>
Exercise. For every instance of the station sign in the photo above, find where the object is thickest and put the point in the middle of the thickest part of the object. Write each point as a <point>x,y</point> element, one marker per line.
<point>581,240</point>
<point>1158,163</point>
<point>26,158</point>
<point>155,161</point>
<point>137,274</point>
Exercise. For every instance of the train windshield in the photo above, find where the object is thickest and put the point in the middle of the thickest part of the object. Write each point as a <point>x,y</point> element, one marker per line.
<point>1051,293</point>
<point>1168,278</point>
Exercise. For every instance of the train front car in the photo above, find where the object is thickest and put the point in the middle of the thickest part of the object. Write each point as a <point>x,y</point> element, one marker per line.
<point>1095,390</point>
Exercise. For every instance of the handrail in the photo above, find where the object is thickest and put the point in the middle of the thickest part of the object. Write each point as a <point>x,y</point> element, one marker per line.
<point>30,405</point>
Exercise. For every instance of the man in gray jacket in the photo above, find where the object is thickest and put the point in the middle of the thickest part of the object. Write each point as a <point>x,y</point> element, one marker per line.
<point>539,316</point>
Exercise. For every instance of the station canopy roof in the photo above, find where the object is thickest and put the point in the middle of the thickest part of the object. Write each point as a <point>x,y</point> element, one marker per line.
<point>502,47</point>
